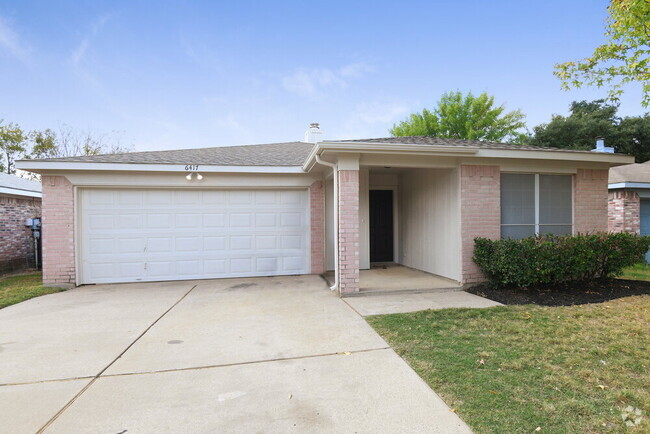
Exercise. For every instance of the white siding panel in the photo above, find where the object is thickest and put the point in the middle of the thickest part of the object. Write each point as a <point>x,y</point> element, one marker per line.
<point>429,221</point>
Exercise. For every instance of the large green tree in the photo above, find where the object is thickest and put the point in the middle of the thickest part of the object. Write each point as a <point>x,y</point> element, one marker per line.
<point>16,144</point>
<point>13,143</point>
<point>588,120</point>
<point>624,58</point>
<point>461,116</point>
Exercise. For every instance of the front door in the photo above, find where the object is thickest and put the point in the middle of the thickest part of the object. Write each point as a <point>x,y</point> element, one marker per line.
<point>381,226</point>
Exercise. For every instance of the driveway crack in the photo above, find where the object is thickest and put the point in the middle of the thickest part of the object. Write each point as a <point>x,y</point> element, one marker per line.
<point>81,392</point>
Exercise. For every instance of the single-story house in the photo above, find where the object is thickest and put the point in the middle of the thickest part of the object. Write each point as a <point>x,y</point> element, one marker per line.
<point>629,199</point>
<point>20,199</point>
<point>308,207</point>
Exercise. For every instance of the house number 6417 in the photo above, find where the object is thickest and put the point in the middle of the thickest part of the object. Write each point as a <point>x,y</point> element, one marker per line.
<point>192,167</point>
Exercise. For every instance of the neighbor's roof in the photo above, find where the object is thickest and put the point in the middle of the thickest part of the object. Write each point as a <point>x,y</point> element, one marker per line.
<point>276,154</point>
<point>11,184</point>
<point>272,154</point>
<point>630,173</point>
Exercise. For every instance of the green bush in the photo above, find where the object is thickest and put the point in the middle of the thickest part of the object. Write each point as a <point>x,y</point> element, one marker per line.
<point>553,259</point>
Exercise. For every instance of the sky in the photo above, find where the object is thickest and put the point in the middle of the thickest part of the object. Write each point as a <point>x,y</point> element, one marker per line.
<point>155,75</point>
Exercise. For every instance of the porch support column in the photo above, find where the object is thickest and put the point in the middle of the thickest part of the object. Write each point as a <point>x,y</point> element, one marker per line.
<point>317,205</point>
<point>480,195</point>
<point>348,225</point>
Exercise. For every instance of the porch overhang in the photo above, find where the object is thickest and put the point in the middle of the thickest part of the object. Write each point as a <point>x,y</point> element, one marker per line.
<point>466,155</point>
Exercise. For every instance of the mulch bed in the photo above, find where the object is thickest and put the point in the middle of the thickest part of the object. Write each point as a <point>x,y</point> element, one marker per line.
<point>566,294</point>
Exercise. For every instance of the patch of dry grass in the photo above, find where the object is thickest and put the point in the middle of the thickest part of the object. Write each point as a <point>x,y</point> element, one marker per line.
<point>516,368</point>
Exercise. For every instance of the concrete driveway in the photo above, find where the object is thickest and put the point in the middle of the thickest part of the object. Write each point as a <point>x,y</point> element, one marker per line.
<point>239,355</point>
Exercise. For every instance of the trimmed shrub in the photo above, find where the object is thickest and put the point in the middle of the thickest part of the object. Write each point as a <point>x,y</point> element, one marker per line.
<point>552,259</point>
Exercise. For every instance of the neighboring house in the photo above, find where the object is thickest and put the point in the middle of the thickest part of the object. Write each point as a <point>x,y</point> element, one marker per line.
<point>20,199</point>
<point>629,199</point>
<point>262,210</point>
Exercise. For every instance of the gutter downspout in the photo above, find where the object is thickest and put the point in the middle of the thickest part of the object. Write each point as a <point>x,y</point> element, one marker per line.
<point>335,206</point>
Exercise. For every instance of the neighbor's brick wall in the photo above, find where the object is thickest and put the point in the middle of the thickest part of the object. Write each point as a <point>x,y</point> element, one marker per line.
<point>480,196</point>
<point>624,211</point>
<point>17,242</point>
<point>590,200</point>
<point>58,231</point>
<point>317,204</point>
<point>349,230</point>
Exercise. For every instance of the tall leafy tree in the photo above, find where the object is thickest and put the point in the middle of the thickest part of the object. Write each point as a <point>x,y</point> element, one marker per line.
<point>461,116</point>
<point>588,120</point>
<point>624,58</point>
<point>12,145</point>
<point>44,144</point>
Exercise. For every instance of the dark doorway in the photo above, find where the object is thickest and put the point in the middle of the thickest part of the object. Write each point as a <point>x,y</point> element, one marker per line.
<point>381,226</point>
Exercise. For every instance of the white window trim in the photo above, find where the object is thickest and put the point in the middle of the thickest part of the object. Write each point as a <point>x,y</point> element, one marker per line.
<point>536,203</point>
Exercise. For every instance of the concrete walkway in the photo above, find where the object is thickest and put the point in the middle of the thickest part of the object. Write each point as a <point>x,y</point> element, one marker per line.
<point>380,304</point>
<point>239,355</point>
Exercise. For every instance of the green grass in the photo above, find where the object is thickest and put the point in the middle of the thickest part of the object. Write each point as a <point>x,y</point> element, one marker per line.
<point>563,369</point>
<point>636,272</point>
<point>15,289</point>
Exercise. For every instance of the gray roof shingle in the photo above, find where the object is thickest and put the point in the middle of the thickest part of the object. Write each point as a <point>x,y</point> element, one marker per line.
<point>639,172</point>
<point>440,141</point>
<point>272,154</point>
<point>275,154</point>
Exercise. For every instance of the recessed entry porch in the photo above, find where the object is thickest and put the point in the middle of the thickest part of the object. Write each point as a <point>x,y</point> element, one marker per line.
<point>392,278</point>
<point>409,229</point>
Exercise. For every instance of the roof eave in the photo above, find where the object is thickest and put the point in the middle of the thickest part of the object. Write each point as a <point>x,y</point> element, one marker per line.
<point>45,166</point>
<point>441,150</point>
<point>383,148</point>
<point>627,184</point>
<point>20,192</point>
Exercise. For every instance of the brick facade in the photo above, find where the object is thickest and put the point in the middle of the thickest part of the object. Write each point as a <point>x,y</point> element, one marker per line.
<point>317,217</point>
<point>58,231</point>
<point>590,200</point>
<point>349,231</point>
<point>17,246</point>
<point>480,197</point>
<point>624,211</point>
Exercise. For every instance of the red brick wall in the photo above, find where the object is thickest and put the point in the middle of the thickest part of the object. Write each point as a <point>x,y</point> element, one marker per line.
<point>349,230</point>
<point>590,200</point>
<point>480,196</point>
<point>317,204</point>
<point>624,212</point>
<point>17,243</point>
<point>58,231</point>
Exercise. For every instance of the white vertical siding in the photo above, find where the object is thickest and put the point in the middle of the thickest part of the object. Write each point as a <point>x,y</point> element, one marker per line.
<point>429,206</point>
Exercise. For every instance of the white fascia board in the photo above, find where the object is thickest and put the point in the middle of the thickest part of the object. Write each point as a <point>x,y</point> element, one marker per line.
<point>533,154</point>
<point>19,192</point>
<point>383,148</point>
<point>619,185</point>
<point>37,166</point>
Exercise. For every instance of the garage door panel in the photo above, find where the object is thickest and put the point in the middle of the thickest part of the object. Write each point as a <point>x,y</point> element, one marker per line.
<point>148,235</point>
<point>213,220</point>
<point>126,245</point>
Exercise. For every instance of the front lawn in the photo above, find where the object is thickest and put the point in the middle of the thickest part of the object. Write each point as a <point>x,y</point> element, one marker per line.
<point>15,289</point>
<point>636,272</point>
<point>516,368</point>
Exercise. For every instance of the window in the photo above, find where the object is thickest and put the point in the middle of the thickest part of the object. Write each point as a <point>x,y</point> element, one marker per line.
<point>536,204</point>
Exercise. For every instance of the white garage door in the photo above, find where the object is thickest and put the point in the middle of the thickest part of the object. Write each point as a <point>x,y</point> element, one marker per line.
<point>172,234</point>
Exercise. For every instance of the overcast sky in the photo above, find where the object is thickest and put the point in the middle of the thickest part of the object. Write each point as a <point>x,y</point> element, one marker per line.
<point>178,74</point>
